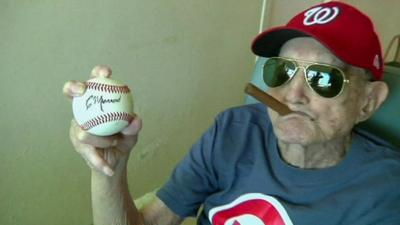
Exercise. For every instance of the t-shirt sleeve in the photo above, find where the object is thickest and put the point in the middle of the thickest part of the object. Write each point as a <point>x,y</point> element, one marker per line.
<point>193,179</point>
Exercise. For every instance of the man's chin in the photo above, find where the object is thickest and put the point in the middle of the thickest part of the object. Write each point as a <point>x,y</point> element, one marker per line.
<point>295,132</point>
<point>290,140</point>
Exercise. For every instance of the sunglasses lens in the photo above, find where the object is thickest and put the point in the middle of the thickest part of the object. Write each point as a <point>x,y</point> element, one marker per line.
<point>324,80</point>
<point>277,71</point>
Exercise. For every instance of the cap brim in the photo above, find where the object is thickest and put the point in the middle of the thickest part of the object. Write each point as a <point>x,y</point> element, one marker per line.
<point>269,42</point>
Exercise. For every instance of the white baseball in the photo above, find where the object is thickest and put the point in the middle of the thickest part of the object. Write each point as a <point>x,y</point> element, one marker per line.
<point>106,107</point>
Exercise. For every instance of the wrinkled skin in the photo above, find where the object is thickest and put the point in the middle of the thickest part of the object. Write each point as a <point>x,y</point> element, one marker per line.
<point>318,134</point>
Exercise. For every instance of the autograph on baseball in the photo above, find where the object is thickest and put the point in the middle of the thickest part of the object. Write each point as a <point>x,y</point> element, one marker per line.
<point>99,100</point>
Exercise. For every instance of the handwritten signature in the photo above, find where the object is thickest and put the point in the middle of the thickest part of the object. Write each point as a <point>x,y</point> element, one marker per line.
<point>99,100</point>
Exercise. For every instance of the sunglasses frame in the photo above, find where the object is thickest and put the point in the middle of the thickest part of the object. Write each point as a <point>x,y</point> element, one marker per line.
<point>305,68</point>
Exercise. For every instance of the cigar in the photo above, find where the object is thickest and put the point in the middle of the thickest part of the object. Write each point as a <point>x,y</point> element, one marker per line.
<point>267,99</point>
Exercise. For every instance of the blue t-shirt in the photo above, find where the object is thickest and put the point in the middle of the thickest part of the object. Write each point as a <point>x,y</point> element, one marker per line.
<point>236,176</point>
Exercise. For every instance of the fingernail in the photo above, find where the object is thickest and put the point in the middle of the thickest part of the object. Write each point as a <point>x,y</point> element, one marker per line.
<point>114,143</point>
<point>78,89</point>
<point>81,135</point>
<point>109,172</point>
<point>101,71</point>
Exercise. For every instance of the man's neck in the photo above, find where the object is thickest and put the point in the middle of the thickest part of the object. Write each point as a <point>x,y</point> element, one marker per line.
<point>316,156</point>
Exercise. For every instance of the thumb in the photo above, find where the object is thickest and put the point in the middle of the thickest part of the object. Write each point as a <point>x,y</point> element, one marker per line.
<point>133,128</point>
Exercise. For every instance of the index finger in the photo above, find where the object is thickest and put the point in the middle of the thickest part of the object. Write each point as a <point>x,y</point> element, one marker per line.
<point>96,141</point>
<point>101,71</point>
<point>74,88</point>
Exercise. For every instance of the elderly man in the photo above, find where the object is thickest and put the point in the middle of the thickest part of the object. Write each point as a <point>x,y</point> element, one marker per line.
<point>254,166</point>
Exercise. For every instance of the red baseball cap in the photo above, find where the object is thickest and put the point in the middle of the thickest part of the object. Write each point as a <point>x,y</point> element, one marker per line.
<point>344,30</point>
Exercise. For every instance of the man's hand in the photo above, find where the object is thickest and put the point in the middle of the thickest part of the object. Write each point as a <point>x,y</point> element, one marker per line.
<point>103,154</point>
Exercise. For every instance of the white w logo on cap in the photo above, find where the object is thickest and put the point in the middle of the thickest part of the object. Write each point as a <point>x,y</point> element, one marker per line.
<point>320,15</point>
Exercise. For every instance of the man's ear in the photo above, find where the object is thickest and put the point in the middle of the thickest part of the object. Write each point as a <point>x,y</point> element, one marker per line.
<point>376,93</point>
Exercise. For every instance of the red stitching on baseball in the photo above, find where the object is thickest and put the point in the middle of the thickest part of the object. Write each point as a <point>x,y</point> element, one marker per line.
<point>107,87</point>
<point>106,118</point>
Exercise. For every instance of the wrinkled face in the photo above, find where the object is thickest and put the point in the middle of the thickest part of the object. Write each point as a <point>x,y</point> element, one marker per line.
<point>316,119</point>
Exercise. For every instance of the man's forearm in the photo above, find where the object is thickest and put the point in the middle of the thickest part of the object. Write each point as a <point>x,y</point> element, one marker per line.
<point>111,201</point>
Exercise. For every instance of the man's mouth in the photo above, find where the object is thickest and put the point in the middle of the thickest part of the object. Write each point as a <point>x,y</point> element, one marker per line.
<point>279,107</point>
<point>301,114</point>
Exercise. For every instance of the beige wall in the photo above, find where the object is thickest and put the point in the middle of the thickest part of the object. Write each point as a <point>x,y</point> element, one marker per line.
<point>279,12</point>
<point>185,60</point>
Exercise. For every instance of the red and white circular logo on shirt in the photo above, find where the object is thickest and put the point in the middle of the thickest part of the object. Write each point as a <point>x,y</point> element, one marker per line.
<point>250,209</point>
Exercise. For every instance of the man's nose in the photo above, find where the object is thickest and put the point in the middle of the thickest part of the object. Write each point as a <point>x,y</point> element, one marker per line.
<point>297,89</point>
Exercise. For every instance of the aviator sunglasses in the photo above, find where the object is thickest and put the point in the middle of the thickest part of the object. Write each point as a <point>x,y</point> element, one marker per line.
<point>326,80</point>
